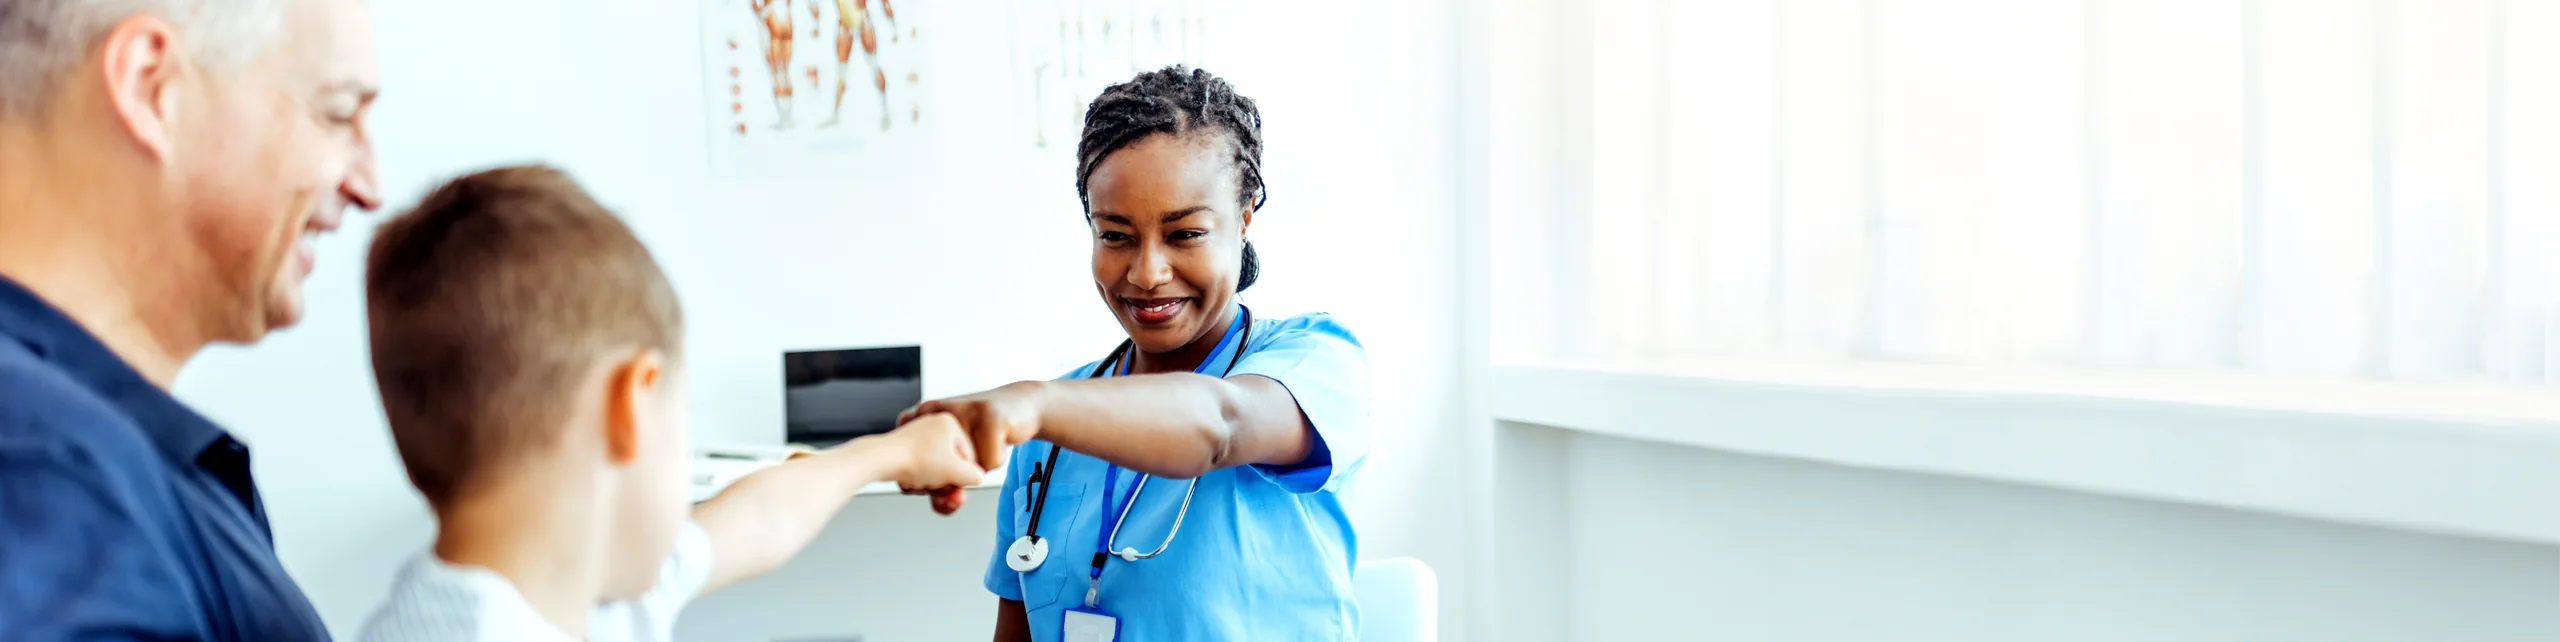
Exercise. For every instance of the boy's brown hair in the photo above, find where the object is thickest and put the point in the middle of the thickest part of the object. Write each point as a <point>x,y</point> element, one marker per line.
<point>488,303</point>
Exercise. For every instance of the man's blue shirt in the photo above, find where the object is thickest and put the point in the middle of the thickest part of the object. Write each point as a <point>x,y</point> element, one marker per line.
<point>123,514</point>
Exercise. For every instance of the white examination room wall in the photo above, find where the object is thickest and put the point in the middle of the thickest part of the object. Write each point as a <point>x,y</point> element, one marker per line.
<point>1660,542</point>
<point>970,246</point>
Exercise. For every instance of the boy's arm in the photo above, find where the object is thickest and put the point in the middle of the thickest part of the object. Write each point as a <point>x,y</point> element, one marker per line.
<point>764,519</point>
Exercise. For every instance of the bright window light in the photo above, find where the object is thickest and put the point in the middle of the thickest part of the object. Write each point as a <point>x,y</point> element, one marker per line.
<point>2301,189</point>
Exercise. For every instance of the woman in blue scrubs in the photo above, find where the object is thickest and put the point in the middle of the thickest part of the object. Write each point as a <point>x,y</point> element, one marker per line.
<point>1213,439</point>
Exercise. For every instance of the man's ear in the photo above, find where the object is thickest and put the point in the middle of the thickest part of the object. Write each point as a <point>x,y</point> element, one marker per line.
<point>631,388</point>
<point>141,66</point>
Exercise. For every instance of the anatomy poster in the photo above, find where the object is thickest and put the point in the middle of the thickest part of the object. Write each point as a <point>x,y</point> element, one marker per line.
<point>792,83</point>
<point>1066,51</point>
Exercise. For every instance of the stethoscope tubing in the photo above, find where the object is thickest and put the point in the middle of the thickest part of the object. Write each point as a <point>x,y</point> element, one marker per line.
<point>1044,471</point>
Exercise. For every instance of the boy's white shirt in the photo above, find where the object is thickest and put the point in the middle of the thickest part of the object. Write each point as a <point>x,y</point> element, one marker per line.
<point>437,601</point>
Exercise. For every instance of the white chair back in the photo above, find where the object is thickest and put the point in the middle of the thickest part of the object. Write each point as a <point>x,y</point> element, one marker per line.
<point>1399,600</point>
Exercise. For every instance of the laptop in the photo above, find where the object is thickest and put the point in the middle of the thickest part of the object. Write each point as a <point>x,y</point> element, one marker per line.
<point>831,396</point>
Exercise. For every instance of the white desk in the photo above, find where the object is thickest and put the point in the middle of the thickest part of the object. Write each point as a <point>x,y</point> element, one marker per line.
<point>716,467</point>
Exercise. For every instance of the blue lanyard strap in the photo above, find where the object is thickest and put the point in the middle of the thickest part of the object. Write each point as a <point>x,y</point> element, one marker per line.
<point>1117,503</point>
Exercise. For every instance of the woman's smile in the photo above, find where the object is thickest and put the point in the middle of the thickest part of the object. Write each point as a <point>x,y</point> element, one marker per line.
<point>1156,313</point>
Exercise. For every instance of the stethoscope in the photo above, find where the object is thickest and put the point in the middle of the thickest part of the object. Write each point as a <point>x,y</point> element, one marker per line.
<point>1029,550</point>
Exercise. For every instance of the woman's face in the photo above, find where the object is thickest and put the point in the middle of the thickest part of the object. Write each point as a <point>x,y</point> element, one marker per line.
<point>1168,237</point>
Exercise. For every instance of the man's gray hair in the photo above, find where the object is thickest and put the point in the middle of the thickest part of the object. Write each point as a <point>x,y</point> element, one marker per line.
<point>41,40</point>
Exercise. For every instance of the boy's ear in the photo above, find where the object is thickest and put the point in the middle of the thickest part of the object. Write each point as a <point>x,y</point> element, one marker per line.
<point>630,389</point>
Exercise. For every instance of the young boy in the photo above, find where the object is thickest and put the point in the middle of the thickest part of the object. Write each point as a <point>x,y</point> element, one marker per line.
<point>530,357</point>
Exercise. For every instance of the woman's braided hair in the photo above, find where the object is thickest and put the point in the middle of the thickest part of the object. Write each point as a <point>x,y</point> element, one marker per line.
<point>1176,100</point>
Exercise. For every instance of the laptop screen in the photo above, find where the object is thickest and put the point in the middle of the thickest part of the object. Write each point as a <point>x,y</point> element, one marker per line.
<point>830,396</point>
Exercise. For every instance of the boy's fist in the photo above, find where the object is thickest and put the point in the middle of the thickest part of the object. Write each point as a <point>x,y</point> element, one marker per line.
<point>939,453</point>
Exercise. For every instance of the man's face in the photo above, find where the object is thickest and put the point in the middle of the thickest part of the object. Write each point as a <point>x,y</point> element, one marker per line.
<point>278,153</point>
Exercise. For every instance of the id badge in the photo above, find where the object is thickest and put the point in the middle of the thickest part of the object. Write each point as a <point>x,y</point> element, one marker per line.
<point>1087,624</point>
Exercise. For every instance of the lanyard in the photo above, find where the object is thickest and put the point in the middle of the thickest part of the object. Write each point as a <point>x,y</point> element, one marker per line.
<point>1118,504</point>
<point>1119,512</point>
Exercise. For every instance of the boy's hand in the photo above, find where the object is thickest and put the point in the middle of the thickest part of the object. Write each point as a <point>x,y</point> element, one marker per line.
<point>938,453</point>
<point>996,420</point>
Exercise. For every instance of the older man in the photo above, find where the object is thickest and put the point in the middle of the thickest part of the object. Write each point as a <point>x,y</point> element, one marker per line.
<point>164,165</point>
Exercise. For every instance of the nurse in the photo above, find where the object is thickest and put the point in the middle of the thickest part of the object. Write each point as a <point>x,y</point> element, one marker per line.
<point>1205,452</point>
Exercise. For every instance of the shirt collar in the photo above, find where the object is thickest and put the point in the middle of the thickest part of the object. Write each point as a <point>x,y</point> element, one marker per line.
<point>500,607</point>
<point>179,433</point>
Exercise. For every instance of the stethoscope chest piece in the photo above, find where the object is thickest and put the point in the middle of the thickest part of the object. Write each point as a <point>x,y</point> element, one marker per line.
<point>1026,553</point>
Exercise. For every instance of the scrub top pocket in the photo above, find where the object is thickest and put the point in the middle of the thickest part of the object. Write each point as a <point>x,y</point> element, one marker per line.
<point>1046,585</point>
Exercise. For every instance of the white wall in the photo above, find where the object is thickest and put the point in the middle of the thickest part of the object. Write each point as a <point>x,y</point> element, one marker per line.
<point>1666,542</point>
<point>1357,98</point>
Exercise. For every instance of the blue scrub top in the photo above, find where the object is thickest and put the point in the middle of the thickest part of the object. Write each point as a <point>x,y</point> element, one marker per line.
<point>1266,552</point>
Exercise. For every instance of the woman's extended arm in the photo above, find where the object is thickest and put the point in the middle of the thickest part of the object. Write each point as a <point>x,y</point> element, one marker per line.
<point>1178,425</point>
